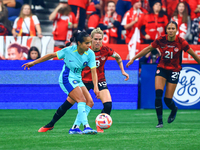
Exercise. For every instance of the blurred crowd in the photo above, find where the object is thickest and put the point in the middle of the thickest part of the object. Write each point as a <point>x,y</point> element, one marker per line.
<point>117,18</point>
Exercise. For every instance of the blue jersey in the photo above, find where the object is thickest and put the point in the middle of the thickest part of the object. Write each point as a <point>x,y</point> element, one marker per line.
<point>74,64</point>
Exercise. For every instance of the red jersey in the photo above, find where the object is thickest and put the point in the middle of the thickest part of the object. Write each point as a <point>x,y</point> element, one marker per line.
<point>171,52</point>
<point>93,21</point>
<point>155,25</point>
<point>101,57</point>
<point>60,26</point>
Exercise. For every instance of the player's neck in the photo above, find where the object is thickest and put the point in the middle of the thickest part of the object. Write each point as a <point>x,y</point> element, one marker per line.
<point>171,38</point>
<point>95,49</point>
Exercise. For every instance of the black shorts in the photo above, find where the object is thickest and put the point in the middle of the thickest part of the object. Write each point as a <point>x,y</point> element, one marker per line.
<point>170,76</point>
<point>101,85</point>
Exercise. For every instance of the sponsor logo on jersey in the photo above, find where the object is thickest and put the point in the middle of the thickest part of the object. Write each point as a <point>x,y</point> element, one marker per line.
<point>170,46</point>
<point>187,92</point>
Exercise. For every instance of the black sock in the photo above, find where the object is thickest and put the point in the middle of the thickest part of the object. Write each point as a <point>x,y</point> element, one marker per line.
<point>59,113</point>
<point>159,109</point>
<point>170,103</point>
<point>107,107</point>
<point>158,105</point>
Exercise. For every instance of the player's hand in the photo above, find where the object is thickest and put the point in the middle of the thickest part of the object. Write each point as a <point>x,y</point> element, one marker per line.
<point>126,75</point>
<point>97,93</point>
<point>129,63</point>
<point>28,65</point>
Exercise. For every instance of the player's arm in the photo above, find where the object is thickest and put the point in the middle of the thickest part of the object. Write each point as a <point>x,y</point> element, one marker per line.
<point>120,63</point>
<point>37,61</point>
<point>95,81</point>
<point>140,54</point>
<point>194,55</point>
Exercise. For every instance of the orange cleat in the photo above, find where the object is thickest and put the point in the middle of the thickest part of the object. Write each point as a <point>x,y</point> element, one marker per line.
<point>99,130</point>
<point>43,129</point>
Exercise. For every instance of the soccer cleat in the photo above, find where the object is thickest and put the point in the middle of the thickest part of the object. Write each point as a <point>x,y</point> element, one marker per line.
<point>75,131</point>
<point>172,116</point>
<point>43,129</point>
<point>99,130</point>
<point>89,130</point>
<point>160,125</point>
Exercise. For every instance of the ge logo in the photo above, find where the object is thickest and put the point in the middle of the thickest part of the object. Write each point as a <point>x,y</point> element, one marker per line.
<point>187,92</point>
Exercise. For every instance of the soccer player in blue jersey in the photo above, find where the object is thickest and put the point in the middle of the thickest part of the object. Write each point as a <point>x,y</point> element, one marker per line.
<point>76,58</point>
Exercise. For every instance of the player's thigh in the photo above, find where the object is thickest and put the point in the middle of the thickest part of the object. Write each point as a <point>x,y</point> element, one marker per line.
<point>160,82</point>
<point>160,78</point>
<point>105,96</point>
<point>170,88</point>
<point>77,95</point>
<point>89,100</point>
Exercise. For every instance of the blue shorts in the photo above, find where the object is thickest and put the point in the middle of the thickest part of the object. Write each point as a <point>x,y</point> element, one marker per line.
<point>67,87</point>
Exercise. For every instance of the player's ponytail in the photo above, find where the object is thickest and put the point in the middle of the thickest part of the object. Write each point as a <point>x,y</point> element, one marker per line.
<point>77,37</point>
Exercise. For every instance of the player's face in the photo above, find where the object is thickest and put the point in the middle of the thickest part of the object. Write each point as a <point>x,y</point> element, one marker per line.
<point>13,54</point>
<point>171,30</point>
<point>97,41</point>
<point>181,8</point>
<point>85,45</point>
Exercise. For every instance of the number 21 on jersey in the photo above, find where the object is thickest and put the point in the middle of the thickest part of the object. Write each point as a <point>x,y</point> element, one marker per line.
<point>168,55</point>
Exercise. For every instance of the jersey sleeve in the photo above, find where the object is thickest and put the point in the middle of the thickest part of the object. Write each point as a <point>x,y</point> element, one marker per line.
<point>155,43</point>
<point>61,54</point>
<point>15,23</point>
<point>124,20</point>
<point>110,51</point>
<point>185,46</point>
<point>74,20</point>
<point>36,20</point>
<point>92,61</point>
<point>93,21</point>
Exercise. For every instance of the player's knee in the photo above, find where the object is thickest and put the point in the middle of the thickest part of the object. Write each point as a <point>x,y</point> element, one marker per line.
<point>159,94</point>
<point>90,102</point>
<point>167,100</point>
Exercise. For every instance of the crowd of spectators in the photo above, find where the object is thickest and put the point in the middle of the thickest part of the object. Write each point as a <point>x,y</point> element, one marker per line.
<point>117,18</point>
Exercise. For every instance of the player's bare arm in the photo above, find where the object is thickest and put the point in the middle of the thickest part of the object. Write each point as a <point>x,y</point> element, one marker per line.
<point>140,54</point>
<point>119,61</point>
<point>95,82</point>
<point>37,61</point>
<point>194,55</point>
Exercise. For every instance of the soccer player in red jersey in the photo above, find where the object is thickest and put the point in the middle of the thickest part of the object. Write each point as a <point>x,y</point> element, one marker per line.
<point>168,69</point>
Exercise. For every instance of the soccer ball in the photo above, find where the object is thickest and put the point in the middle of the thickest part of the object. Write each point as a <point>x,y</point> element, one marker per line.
<point>104,121</point>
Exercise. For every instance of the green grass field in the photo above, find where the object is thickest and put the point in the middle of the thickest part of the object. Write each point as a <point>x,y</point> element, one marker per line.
<point>131,129</point>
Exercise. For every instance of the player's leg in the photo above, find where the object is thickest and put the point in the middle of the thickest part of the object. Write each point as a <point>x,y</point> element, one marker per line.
<point>106,100</point>
<point>105,97</point>
<point>89,105</point>
<point>58,114</point>
<point>159,86</point>
<point>170,88</point>
<point>77,94</point>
